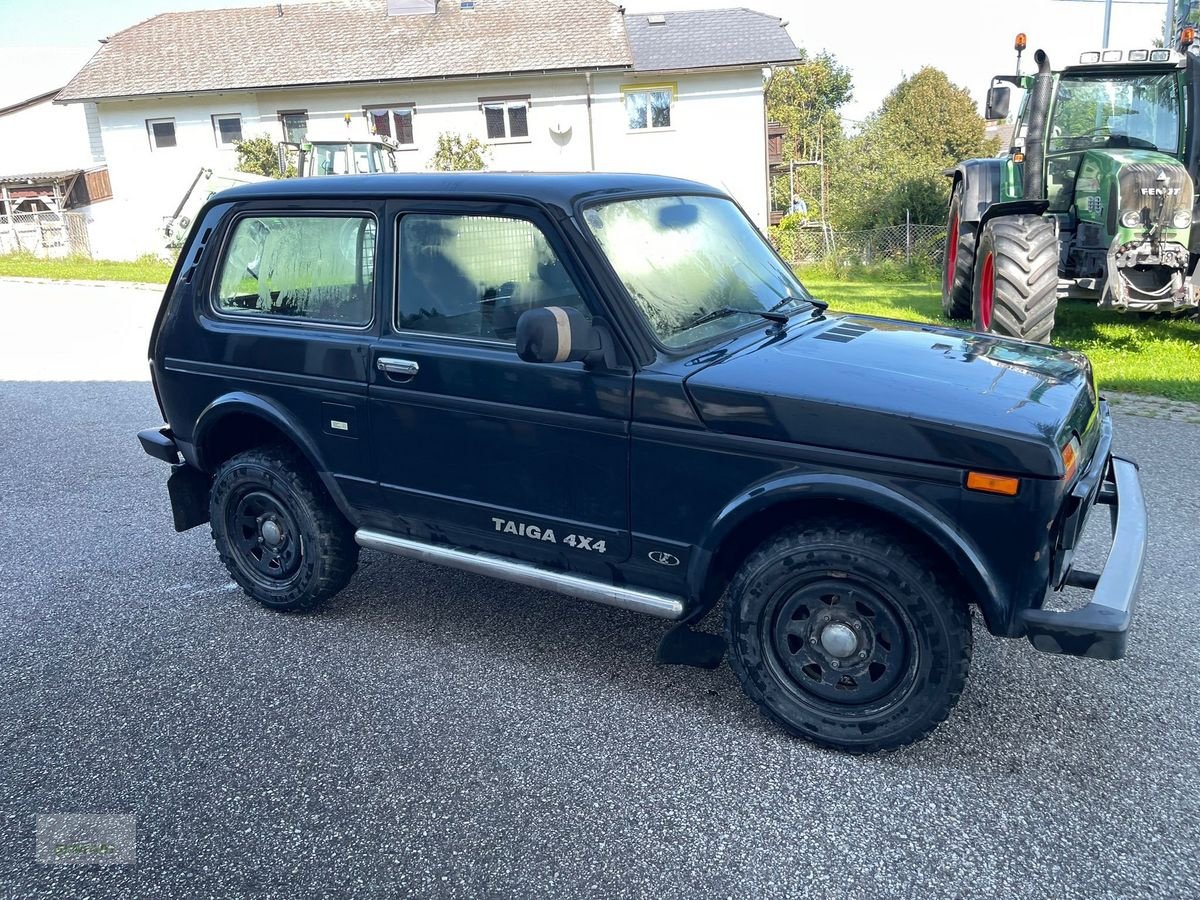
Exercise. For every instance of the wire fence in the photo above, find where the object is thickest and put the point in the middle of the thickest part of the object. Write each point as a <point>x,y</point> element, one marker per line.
<point>47,234</point>
<point>903,244</point>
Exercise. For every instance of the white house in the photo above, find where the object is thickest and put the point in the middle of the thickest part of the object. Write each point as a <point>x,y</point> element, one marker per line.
<point>548,86</point>
<point>49,162</point>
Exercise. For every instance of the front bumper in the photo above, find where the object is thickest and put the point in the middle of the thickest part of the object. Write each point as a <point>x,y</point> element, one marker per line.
<point>1100,629</point>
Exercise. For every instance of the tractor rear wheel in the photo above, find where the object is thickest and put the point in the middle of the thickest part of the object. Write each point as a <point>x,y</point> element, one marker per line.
<point>958,261</point>
<point>1016,278</point>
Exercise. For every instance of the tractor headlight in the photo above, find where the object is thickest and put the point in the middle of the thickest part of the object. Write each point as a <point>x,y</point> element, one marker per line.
<point>1182,219</point>
<point>1131,219</point>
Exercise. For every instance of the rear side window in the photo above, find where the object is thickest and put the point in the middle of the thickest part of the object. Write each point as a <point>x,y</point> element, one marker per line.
<point>473,276</point>
<point>307,268</point>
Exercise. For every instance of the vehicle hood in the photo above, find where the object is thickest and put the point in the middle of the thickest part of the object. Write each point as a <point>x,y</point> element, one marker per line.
<point>901,389</point>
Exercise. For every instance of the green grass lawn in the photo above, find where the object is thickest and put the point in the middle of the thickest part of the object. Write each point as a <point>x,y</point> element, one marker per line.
<point>1142,356</point>
<point>148,268</point>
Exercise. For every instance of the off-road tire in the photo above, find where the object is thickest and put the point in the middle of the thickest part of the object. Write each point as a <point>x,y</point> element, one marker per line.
<point>958,261</point>
<point>846,568</point>
<point>1016,278</point>
<point>323,555</point>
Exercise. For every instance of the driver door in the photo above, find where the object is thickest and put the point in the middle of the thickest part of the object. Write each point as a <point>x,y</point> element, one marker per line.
<point>475,447</point>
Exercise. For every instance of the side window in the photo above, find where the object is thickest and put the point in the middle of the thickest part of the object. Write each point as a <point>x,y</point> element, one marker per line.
<point>473,276</point>
<point>310,268</point>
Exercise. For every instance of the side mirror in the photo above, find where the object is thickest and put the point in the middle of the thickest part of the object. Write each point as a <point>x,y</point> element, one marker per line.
<point>554,334</point>
<point>998,98</point>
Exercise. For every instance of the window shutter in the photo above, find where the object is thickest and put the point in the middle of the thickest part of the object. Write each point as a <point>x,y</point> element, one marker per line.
<point>379,121</point>
<point>518,120</point>
<point>494,116</point>
<point>404,125</point>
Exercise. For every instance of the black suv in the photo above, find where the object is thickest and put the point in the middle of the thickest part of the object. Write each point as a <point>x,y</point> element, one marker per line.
<point>610,386</point>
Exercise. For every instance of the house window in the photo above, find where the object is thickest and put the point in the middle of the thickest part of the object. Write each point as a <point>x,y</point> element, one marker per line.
<point>295,125</point>
<point>227,129</point>
<point>161,132</point>
<point>507,118</point>
<point>648,108</point>
<point>392,121</point>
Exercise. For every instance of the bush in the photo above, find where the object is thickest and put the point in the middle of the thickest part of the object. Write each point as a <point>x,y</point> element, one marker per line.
<point>458,154</point>
<point>258,155</point>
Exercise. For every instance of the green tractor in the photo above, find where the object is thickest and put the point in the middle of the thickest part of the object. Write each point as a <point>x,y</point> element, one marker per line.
<point>1093,200</point>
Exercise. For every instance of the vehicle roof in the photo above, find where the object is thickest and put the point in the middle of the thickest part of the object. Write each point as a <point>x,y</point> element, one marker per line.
<point>557,188</point>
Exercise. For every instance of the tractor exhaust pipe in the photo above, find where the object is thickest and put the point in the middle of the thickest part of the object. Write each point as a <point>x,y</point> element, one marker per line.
<point>1035,135</point>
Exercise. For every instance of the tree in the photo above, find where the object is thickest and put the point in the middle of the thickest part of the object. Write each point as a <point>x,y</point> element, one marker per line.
<point>458,154</point>
<point>258,155</point>
<point>895,164</point>
<point>805,99</point>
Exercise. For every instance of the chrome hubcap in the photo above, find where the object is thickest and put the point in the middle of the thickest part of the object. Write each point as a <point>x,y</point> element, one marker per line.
<point>838,640</point>
<point>271,533</point>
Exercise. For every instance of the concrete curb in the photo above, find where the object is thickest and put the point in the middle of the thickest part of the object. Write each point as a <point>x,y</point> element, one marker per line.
<point>1150,407</point>
<point>82,282</point>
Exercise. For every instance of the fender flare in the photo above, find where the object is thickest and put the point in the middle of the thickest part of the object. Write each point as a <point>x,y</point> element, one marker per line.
<point>980,179</point>
<point>244,403</point>
<point>818,487</point>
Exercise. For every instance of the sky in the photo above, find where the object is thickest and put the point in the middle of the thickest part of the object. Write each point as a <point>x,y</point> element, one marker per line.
<point>43,42</point>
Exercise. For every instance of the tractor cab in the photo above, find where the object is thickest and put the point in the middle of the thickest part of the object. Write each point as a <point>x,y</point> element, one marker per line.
<point>339,154</point>
<point>1105,151</point>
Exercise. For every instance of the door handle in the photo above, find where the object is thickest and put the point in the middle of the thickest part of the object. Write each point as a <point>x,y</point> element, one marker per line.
<point>400,369</point>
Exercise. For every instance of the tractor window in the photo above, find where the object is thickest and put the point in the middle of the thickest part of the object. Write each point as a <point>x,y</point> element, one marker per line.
<point>1128,112</point>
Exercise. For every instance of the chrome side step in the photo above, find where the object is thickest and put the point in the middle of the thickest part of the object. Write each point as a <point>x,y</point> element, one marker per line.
<point>662,606</point>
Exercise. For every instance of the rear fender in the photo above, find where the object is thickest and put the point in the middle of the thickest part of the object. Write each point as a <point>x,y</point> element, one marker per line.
<point>209,422</point>
<point>821,488</point>
<point>980,180</point>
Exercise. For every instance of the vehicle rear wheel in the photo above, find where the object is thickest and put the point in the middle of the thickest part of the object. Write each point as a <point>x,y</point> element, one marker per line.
<point>1016,278</point>
<point>849,636</point>
<point>278,531</point>
<point>958,261</point>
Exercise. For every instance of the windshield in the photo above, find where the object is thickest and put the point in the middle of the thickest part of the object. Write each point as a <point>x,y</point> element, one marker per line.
<point>684,259</point>
<point>1129,111</point>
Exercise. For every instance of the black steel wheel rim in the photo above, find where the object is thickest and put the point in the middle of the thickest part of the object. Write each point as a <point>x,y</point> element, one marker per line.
<point>841,645</point>
<point>266,541</point>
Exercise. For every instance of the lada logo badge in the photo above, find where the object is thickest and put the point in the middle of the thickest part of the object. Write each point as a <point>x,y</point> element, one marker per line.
<point>663,559</point>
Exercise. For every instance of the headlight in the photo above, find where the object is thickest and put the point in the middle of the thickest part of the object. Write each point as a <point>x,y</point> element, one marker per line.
<point>1182,219</point>
<point>1131,219</point>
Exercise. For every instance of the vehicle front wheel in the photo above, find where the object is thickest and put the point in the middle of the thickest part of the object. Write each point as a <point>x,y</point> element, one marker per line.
<point>1016,278</point>
<point>849,636</point>
<point>278,531</point>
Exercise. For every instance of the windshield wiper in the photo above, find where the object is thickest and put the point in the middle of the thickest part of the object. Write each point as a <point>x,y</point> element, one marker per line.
<point>722,311</point>
<point>784,301</point>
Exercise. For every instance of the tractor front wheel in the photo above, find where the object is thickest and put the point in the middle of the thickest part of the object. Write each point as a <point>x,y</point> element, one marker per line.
<point>1016,278</point>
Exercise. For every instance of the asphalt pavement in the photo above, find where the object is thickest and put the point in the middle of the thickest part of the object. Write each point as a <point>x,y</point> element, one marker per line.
<point>437,734</point>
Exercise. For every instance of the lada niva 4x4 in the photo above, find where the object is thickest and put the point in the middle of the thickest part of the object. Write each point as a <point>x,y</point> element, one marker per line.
<point>611,387</point>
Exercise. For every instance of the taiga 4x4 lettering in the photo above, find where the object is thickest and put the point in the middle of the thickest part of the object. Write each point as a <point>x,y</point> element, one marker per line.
<point>611,387</point>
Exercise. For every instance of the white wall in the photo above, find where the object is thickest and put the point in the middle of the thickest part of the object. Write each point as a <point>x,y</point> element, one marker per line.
<point>44,138</point>
<point>718,136</point>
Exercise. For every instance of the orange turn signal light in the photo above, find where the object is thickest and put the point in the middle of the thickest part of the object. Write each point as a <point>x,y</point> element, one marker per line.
<point>1188,37</point>
<point>993,484</point>
<point>1070,458</point>
<point>1021,43</point>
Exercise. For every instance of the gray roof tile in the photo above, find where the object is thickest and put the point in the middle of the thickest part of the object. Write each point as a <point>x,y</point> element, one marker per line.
<point>342,41</point>
<point>349,41</point>
<point>702,39</point>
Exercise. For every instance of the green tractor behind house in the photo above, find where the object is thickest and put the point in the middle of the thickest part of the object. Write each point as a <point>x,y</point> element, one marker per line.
<point>1094,199</point>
